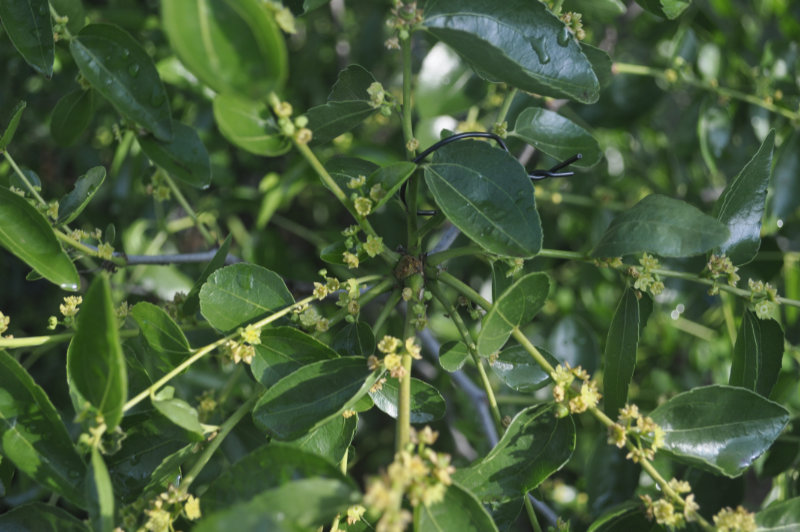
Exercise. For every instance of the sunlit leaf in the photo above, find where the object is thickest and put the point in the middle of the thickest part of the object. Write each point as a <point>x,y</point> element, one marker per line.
<point>248,124</point>
<point>100,494</point>
<point>459,510</point>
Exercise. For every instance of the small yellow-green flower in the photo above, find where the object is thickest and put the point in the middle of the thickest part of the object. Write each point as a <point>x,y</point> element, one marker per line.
<point>373,246</point>
<point>251,335</point>
<point>363,206</point>
<point>392,361</point>
<point>413,349</point>
<point>52,210</point>
<point>192,508</point>
<point>389,344</point>
<point>70,306</point>
<point>357,182</point>
<point>105,251</point>
<point>4,321</point>
<point>320,291</point>
<point>738,520</point>
<point>376,192</point>
<point>355,513</point>
<point>350,259</point>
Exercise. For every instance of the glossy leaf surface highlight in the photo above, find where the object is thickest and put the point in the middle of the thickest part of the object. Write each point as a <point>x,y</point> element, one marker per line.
<point>348,105</point>
<point>27,23</point>
<point>517,369</point>
<point>487,194</point>
<point>663,226</point>
<point>427,404</point>
<point>757,354</point>
<point>184,157</point>
<point>248,124</point>
<point>557,136</point>
<point>721,429</point>
<point>459,510</point>
<point>620,353</point>
<point>284,350</point>
<point>73,203</point>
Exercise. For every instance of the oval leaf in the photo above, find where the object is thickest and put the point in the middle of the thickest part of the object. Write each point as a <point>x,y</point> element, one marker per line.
<point>40,517</point>
<point>557,136</point>
<point>354,340</point>
<point>661,225</point>
<point>117,66</point>
<point>453,355</point>
<point>517,306</point>
<point>192,302</point>
<point>757,355</point>
<point>33,437</point>
<point>330,440</point>
<point>721,429</point>
<point>95,363</point>
<point>249,125</point>
<point>311,396</point>
<point>99,494</point>
<point>742,203</point>
<point>233,47</point>
<point>620,353</point>
<point>348,105</point>
<point>284,350</point>
<point>459,510</point>
<point>517,369</point>
<point>160,331</point>
<point>780,516</point>
<point>73,203</point>
<point>786,186</point>
<point>535,445</point>
<point>184,157</point>
<point>26,233</point>
<point>177,410</point>
<point>487,194</point>
<point>28,25</point>
<point>427,404</point>
<point>13,123</point>
<point>519,42</point>
<point>71,116</point>
<point>239,293</point>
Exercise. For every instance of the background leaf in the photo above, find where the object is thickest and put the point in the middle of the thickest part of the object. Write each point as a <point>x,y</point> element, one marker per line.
<point>192,302</point>
<point>557,136</point>
<point>27,23</point>
<point>785,196</point>
<point>73,203</point>
<point>663,226</point>
<point>721,429</point>
<point>177,410</point>
<point>572,340</point>
<point>29,236</point>
<point>40,517</point>
<point>348,105</point>
<point>757,355</point>
<point>329,440</point>
<point>71,116</point>
<point>237,294</point>
<point>161,331</point>
<point>517,369</point>
<point>620,353</point>
<point>13,123</point>
<point>665,8</point>
<point>427,404</point>
<point>459,510</point>
<point>284,350</point>
<point>99,494</point>
<point>453,355</point>
<point>184,157</point>
<point>487,194</point>
<point>783,515</point>
<point>248,124</point>
<point>33,436</point>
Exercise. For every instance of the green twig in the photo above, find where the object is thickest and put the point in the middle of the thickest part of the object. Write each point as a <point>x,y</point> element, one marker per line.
<point>24,178</point>
<point>434,273</point>
<point>531,514</point>
<point>503,112</point>
<point>181,199</point>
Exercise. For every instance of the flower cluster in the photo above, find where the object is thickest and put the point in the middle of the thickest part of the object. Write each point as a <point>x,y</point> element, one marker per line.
<point>296,128</point>
<point>167,507</point>
<point>309,318</point>
<point>393,355</point>
<point>664,511</point>
<point>404,16</point>
<point>738,520</point>
<point>574,24</point>
<point>644,278</point>
<point>4,321</point>
<point>418,473</point>
<point>720,266</point>
<point>645,436</point>
<point>238,351</point>
<point>763,298</point>
<point>571,401</point>
<point>70,308</point>
<point>332,284</point>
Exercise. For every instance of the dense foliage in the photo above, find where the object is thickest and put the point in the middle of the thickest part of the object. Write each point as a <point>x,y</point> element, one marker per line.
<point>444,265</point>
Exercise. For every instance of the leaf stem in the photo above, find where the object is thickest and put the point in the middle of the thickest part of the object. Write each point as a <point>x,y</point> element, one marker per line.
<point>434,273</point>
<point>531,514</point>
<point>442,256</point>
<point>181,199</point>
<point>24,178</point>
<point>503,112</point>
<point>388,307</point>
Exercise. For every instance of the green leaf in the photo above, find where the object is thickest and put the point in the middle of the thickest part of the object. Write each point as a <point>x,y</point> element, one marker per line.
<point>99,494</point>
<point>26,233</point>
<point>40,517</point>
<point>329,440</point>
<point>453,355</point>
<point>487,194</point>
<point>611,479</point>
<point>600,60</point>
<point>721,429</point>
<point>27,23</point>
<point>184,157</point>
<point>348,105</point>
<point>741,205</point>
<point>757,354</point>
<point>517,369</point>
<point>117,66</point>
<point>342,169</point>
<point>192,302</point>
<point>427,404</point>
<point>73,203</point>
<point>71,116</point>
<point>517,306</point>
<point>177,410</point>
<point>779,516</point>
<point>237,294</point>
<point>248,124</point>
<point>459,510</point>
<point>233,47</point>
<point>32,435</point>
<point>390,178</point>
<point>13,123</point>
<point>557,136</point>
<point>785,196</point>
<point>160,331</point>
<point>284,350</point>
<point>661,225</point>
<point>73,9</point>
<point>354,340</point>
<point>627,516</point>
<point>518,42</point>
<point>665,8</point>
<point>262,469</point>
<point>311,396</point>
<point>620,353</point>
<point>95,363</point>
<point>573,340</point>
<point>535,445</point>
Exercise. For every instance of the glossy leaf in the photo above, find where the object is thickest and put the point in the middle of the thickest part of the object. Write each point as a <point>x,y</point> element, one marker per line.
<point>95,363</point>
<point>237,294</point>
<point>71,116</point>
<point>40,517</point>
<point>516,307</point>
<point>487,194</point>
<point>177,410</point>
<point>99,494</point>
<point>184,157</point>
<point>721,429</point>
<point>427,404</point>
<point>663,226</point>
<point>535,445</point>
<point>517,369</point>
<point>665,8</point>
<point>390,178</point>
<point>348,105</point>
<point>519,42</point>
<point>265,468</point>
<point>160,331</point>
<point>620,353</point>
<point>284,350</point>
<point>600,60</point>
<point>13,123</point>
<point>232,47</point>
<point>611,478</point>
<point>248,124</point>
<point>459,510</point>
<point>779,516</point>
<point>32,435</point>
<point>27,23</point>
<point>329,440</point>
<point>73,203</point>
<point>192,302</point>
<point>557,136</point>
<point>453,355</point>
<point>354,340</point>
<point>311,396</point>
<point>785,198</point>
<point>742,203</point>
<point>572,340</point>
<point>26,233</point>
<point>757,355</point>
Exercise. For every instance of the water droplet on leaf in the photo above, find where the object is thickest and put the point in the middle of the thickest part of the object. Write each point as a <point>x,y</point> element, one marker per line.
<point>563,36</point>
<point>541,54</point>
<point>133,70</point>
